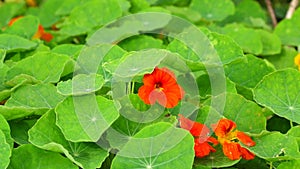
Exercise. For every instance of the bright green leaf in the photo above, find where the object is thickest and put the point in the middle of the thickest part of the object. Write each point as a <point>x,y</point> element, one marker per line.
<point>279,91</point>
<point>68,49</point>
<point>4,127</point>
<point>19,130</point>
<point>221,45</point>
<point>44,66</point>
<point>5,151</point>
<point>213,10</point>
<point>67,6</point>
<point>8,11</point>
<point>38,159</point>
<point>11,113</point>
<point>81,84</point>
<point>40,96</point>
<point>271,42</point>
<point>160,146</point>
<point>127,67</point>
<point>205,89</point>
<point>13,43</point>
<point>25,27</point>
<point>46,135</point>
<point>285,59</point>
<point>141,42</point>
<point>85,118</point>
<point>216,159</point>
<point>274,146</point>
<point>246,114</point>
<point>248,73</point>
<point>249,39</point>
<point>256,18</point>
<point>289,29</point>
<point>89,15</point>
<point>294,164</point>
<point>46,12</point>
<point>295,132</point>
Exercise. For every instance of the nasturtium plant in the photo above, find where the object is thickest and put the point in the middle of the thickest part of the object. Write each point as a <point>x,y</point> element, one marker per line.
<point>155,84</point>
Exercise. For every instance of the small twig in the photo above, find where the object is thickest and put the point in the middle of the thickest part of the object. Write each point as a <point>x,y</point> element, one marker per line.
<point>271,12</point>
<point>292,8</point>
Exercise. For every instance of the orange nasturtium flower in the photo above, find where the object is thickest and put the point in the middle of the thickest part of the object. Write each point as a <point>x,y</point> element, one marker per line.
<point>31,3</point>
<point>228,137</point>
<point>40,34</point>
<point>297,60</point>
<point>161,86</point>
<point>201,134</point>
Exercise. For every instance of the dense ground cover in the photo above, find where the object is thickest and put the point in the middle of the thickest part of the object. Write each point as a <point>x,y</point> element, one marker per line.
<point>149,84</point>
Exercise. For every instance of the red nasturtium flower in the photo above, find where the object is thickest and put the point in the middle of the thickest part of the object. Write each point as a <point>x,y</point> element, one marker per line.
<point>201,134</point>
<point>228,136</point>
<point>161,86</point>
<point>40,34</point>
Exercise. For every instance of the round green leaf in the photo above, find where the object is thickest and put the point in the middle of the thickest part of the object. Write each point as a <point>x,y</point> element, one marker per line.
<point>256,18</point>
<point>288,30</point>
<point>25,27</point>
<point>46,135</point>
<point>271,42</point>
<point>160,146</point>
<point>81,84</point>
<point>39,96</point>
<point>279,91</point>
<point>247,38</point>
<point>43,66</point>
<point>295,132</point>
<point>89,15</point>
<point>141,42</point>
<point>11,113</point>
<point>5,151</point>
<point>19,130</point>
<point>68,49</point>
<point>248,73</point>
<point>39,159</point>
<point>294,164</point>
<point>213,10</point>
<point>9,10</point>
<point>4,127</point>
<point>285,59</point>
<point>247,115</point>
<point>274,146</point>
<point>13,43</point>
<point>216,159</point>
<point>85,118</point>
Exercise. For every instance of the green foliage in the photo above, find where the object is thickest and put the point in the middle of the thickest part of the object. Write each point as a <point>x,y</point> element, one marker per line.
<point>73,101</point>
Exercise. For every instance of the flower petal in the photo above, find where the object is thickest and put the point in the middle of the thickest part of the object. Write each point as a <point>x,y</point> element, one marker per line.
<point>158,96</point>
<point>202,149</point>
<point>212,140</point>
<point>195,128</point>
<point>232,150</point>
<point>161,86</point>
<point>246,154</point>
<point>144,93</point>
<point>47,37</point>
<point>245,139</point>
<point>223,127</point>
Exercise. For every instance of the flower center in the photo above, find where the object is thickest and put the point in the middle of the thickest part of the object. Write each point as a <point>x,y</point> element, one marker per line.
<point>229,137</point>
<point>158,86</point>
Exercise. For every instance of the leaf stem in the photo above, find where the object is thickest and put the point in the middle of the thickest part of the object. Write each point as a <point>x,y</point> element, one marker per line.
<point>291,124</point>
<point>292,8</point>
<point>271,12</point>
<point>132,87</point>
<point>271,165</point>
